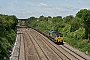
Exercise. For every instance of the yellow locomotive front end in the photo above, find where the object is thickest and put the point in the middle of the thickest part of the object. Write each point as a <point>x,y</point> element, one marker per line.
<point>57,36</point>
<point>59,39</point>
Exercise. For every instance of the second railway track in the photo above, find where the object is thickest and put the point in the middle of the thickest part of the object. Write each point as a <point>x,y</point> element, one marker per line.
<point>39,47</point>
<point>60,51</point>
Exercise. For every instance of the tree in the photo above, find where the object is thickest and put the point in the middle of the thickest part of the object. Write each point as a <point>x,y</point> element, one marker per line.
<point>57,19</point>
<point>7,34</point>
<point>84,14</point>
<point>75,23</point>
<point>42,18</point>
<point>67,19</point>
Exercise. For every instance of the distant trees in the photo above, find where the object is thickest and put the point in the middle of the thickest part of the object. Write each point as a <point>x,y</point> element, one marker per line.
<point>67,19</point>
<point>32,21</point>
<point>75,23</point>
<point>57,19</point>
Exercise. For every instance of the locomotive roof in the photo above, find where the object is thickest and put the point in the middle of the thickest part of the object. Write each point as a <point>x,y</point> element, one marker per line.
<point>55,32</point>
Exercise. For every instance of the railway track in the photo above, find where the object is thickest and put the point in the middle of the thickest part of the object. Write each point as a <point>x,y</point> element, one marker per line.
<point>18,49</point>
<point>21,47</point>
<point>71,55</point>
<point>38,47</point>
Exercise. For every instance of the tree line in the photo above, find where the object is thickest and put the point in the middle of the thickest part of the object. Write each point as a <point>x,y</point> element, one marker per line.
<point>76,29</point>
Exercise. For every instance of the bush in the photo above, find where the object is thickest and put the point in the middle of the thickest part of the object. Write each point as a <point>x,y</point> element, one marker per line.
<point>7,34</point>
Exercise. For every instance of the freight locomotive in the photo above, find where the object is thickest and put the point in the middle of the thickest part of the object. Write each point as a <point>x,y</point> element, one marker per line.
<point>58,37</point>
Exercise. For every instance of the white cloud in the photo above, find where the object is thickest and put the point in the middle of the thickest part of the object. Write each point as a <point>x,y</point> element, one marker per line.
<point>42,5</point>
<point>80,1</point>
<point>30,3</point>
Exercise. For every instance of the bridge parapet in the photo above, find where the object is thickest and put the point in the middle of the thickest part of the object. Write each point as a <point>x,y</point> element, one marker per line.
<point>25,20</point>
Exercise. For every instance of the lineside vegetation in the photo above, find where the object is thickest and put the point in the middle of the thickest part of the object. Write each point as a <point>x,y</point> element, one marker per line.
<point>76,30</point>
<point>7,35</point>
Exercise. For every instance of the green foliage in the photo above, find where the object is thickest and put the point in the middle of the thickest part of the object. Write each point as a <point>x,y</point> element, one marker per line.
<point>72,28</point>
<point>80,33</point>
<point>84,14</point>
<point>68,19</point>
<point>7,34</point>
<point>75,23</point>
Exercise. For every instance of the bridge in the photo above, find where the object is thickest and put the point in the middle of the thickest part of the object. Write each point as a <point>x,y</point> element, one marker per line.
<point>25,20</point>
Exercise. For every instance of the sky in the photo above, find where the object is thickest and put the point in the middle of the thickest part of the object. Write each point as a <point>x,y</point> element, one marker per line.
<point>37,8</point>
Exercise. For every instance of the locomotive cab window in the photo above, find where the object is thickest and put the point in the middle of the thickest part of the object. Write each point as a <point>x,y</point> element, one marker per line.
<point>58,35</point>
